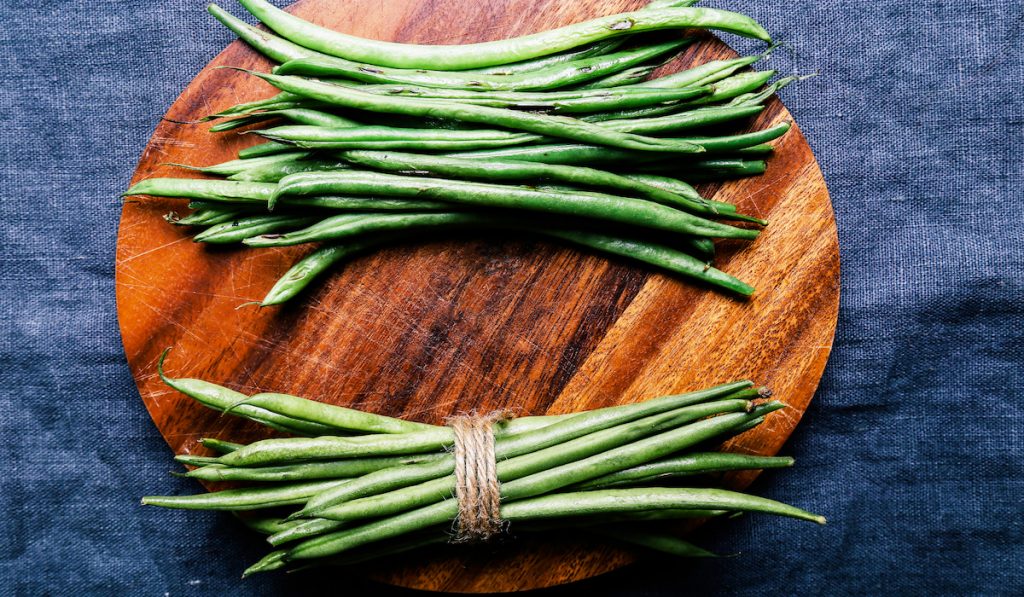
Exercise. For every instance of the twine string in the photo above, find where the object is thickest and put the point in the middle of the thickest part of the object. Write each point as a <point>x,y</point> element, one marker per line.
<point>476,477</point>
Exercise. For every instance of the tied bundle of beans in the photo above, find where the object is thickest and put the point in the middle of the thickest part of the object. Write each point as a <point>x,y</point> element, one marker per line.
<point>352,486</point>
<point>558,134</point>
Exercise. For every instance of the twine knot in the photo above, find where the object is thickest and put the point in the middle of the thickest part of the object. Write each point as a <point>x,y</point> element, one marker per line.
<point>476,477</point>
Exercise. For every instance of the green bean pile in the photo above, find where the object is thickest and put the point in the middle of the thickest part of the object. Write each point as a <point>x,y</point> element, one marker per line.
<point>558,134</point>
<point>352,486</point>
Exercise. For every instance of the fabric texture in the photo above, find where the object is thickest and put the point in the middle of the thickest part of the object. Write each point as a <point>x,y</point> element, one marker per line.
<point>912,447</point>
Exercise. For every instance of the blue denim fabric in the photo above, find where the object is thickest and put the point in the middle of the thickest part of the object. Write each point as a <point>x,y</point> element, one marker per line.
<point>912,447</point>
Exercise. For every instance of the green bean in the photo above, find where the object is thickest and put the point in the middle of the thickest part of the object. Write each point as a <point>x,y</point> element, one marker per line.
<point>660,256</point>
<point>275,172</point>
<point>338,417</point>
<point>204,217</point>
<point>213,190</point>
<point>690,464</point>
<point>658,542</point>
<point>367,204</point>
<point>192,460</point>
<point>700,117</point>
<point>733,142</point>
<point>265,526</point>
<point>335,469</point>
<point>728,89</point>
<point>218,398</point>
<point>599,502</point>
<point>373,137</point>
<point>304,529</point>
<point>703,74</point>
<point>595,101</point>
<point>761,149</point>
<point>285,99</point>
<point>409,163</point>
<point>587,503</point>
<point>630,76</point>
<point>512,97</point>
<point>712,170</point>
<point>607,207</point>
<point>264,149</point>
<point>577,504</point>
<point>274,451</point>
<point>572,427</point>
<point>220,446</point>
<point>242,121</point>
<point>529,423</point>
<point>264,110</point>
<point>308,268</point>
<point>249,498</point>
<point>569,102</point>
<point>734,86</point>
<point>233,167</point>
<point>580,153</point>
<point>300,114</point>
<point>239,229</point>
<point>462,57</point>
<point>664,257</point>
<point>271,46</point>
<point>494,98</point>
<point>549,478</point>
<point>728,210</point>
<point>758,97</point>
<point>552,77</point>
<point>512,472</point>
<point>595,49</point>
<point>544,124</point>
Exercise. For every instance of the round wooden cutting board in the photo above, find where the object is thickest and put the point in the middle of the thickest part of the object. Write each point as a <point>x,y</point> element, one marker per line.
<point>427,330</point>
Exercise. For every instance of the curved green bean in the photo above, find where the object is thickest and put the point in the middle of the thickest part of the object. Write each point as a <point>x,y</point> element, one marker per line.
<point>239,229</point>
<point>305,471</point>
<point>552,77</point>
<point>696,463</point>
<point>575,103</point>
<point>660,256</point>
<point>271,46</point>
<point>512,170</point>
<point>275,451</point>
<point>300,275</point>
<point>249,498</point>
<point>276,171</point>
<point>620,209</point>
<point>372,137</point>
<point>298,113</point>
<point>264,149</point>
<point>467,56</point>
<point>594,49</point>
<point>211,190</point>
<point>544,124</point>
<point>703,74</point>
<point>218,398</point>
<point>630,76</point>
<point>338,417</point>
<point>234,167</point>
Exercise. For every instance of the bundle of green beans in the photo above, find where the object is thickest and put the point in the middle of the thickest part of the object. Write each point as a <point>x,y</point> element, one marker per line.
<point>559,134</point>
<point>351,486</point>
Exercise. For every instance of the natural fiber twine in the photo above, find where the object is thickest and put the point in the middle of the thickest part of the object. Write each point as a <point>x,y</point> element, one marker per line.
<point>476,477</point>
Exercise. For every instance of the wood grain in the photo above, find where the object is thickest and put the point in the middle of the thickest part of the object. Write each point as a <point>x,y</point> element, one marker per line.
<point>424,331</point>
